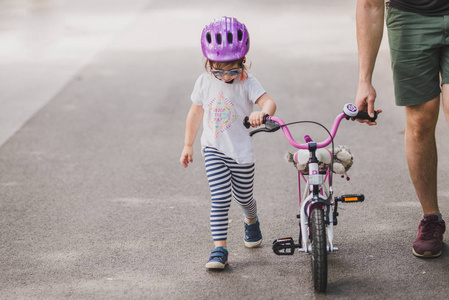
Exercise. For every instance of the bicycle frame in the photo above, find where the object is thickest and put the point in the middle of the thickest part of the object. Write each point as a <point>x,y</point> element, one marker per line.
<point>319,189</point>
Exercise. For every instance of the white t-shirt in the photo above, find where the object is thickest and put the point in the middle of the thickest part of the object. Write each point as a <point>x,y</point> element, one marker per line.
<point>225,106</point>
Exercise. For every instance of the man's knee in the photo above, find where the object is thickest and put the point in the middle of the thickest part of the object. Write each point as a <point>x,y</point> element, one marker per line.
<point>422,119</point>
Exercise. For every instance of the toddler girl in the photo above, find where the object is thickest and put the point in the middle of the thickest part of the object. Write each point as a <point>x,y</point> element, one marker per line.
<point>222,97</point>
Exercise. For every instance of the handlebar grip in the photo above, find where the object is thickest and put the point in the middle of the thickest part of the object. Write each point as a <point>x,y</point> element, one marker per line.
<point>246,122</point>
<point>363,115</point>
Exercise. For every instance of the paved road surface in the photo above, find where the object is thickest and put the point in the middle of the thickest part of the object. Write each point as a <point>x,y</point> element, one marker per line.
<point>94,203</point>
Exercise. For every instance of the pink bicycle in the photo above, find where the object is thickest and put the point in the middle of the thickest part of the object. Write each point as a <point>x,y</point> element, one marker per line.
<point>318,207</point>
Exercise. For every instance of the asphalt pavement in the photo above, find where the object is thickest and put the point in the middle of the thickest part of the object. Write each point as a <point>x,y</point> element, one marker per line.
<point>94,203</point>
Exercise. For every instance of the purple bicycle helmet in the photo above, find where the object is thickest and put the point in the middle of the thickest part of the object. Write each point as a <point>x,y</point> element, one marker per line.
<point>225,39</point>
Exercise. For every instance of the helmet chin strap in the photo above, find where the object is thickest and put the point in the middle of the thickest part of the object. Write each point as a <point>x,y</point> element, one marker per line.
<point>228,82</point>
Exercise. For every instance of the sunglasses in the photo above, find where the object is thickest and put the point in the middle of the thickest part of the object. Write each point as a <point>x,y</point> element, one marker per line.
<point>221,73</point>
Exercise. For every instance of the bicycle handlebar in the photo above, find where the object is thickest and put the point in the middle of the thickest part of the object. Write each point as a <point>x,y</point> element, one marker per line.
<point>272,124</point>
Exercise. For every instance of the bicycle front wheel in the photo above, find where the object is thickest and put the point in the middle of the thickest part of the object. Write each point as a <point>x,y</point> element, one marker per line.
<point>319,249</point>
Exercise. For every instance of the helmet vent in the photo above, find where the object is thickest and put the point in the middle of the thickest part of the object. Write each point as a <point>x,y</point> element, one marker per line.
<point>229,38</point>
<point>240,35</point>
<point>219,39</point>
<point>208,37</point>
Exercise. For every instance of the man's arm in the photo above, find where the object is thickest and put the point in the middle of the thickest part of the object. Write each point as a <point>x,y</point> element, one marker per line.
<point>370,22</point>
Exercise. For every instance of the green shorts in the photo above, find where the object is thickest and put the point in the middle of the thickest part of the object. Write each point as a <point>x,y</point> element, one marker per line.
<point>419,48</point>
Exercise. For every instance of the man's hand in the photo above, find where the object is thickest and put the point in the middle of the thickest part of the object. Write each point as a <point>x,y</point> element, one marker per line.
<point>366,96</point>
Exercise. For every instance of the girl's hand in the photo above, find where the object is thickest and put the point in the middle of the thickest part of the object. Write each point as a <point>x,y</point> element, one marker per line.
<point>186,156</point>
<point>256,118</point>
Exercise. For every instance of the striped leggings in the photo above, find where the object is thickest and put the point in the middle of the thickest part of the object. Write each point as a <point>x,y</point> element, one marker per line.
<point>227,180</point>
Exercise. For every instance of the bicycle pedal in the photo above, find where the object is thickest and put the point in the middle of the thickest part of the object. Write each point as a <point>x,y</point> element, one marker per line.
<point>351,198</point>
<point>285,246</point>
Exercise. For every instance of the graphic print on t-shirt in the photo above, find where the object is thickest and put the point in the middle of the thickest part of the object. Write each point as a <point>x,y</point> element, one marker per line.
<point>221,114</point>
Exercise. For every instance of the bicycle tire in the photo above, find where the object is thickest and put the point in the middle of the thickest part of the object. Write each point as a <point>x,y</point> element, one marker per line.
<point>319,249</point>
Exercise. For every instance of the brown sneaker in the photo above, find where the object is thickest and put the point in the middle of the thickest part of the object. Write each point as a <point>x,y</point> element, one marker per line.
<point>429,241</point>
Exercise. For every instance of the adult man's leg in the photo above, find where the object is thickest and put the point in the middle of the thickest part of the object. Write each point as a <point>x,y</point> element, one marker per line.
<point>422,159</point>
<point>421,152</point>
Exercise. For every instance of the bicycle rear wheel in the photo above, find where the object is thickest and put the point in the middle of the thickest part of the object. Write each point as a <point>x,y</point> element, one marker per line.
<point>319,249</point>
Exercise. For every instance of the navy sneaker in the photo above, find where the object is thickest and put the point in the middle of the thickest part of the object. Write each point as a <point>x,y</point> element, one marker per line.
<point>218,258</point>
<point>253,236</point>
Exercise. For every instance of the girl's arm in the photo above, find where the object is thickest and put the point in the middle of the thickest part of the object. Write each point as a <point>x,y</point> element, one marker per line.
<point>267,106</point>
<point>193,123</point>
